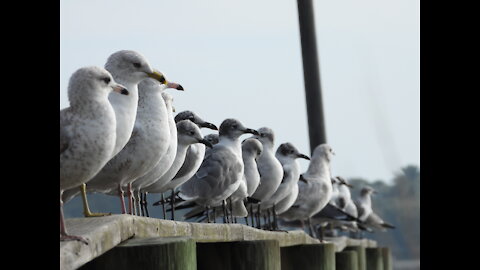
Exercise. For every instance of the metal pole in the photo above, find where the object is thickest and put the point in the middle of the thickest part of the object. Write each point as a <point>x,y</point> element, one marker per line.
<point>311,73</point>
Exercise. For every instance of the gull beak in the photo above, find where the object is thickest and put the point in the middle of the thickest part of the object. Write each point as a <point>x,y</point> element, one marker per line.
<point>302,179</point>
<point>348,185</point>
<point>173,109</point>
<point>252,131</point>
<point>120,89</point>
<point>303,156</point>
<point>208,125</point>
<point>157,75</point>
<point>207,143</point>
<point>174,86</point>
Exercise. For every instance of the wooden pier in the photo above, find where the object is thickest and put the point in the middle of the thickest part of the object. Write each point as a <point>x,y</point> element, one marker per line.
<point>133,242</point>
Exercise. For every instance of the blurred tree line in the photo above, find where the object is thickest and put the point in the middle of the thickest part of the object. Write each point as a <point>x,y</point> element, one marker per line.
<point>397,204</point>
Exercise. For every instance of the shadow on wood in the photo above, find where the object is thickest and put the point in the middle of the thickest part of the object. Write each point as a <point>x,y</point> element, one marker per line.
<point>346,260</point>
<point>306,257</point>
<point>173,253</point>
<point>239,255</point>
<point>374,258</point>
<point>362,260</point>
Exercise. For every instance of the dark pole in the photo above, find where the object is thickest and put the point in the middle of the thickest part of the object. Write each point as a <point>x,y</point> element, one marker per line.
<point>311,73</point>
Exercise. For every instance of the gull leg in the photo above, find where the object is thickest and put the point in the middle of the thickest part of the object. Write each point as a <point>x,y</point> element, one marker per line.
<point>131,199</point>
<point>64,236</point>
<point>145,203</point>
<point>259,220</point>
<point>122,200</point>
<point>86,208</point>
<point>224,208</point>
<point>310,227</point>
<point>172,204</point>
<point>163,207</point>
<point>208,214</point>
<point>275,224</point>
<point>231,210</point>
<point>214,215</point>
<point>252,215</point>
<point>140,204</point>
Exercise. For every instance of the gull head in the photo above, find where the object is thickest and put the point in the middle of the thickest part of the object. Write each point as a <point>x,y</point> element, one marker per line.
<point>168,100</point>
<point>155,84</point>
<point>131,67</point>
<point>232,128</point>
<point>189,115</point>
<point>252,146</point>
<point>289,151</point>
<point>89,83</point>
<point>367,191</point>
<point>324,151</point>
<point>266,137</point>
<point>212,138</point>
<point>342,181</point>
<point>189,133</point>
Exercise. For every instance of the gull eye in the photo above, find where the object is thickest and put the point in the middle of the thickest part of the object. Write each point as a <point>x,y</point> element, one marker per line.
<point>192,133</point>
<point>234,126</point>
<point>106,80</point>
<point>262,134</point>
<point>137,65</point>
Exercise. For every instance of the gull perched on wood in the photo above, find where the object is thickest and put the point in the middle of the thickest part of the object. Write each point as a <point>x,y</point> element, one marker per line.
<point>144,149</point>
<point>315,187</point>
<point>87,131</point>
<point>221,170</point>
<point>365,211</point>
<point>128,68</point>
<point>188,133</point>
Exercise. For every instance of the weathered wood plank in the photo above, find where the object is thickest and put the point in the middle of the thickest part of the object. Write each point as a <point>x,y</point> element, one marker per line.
<point>306,257</point>
<point>157,253</point>
<point>239,255</point>
<point>346,260</point>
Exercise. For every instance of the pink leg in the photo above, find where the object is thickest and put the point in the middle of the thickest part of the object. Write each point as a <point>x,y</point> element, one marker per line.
<point>63,230</point>
<point>130,199</point>
<point>122,201</point>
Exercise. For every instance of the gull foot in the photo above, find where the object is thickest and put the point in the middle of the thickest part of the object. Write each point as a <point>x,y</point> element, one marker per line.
<point>67,237</point>
<point>90,214</point>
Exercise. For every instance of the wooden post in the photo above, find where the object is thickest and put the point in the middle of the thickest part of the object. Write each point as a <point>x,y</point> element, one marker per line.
<point>346,260</point>
<point>374,258</point>
<point>306,257</point>
<point>362,261</point>
<point>387,259</point>
<point>173,253</point>
<point>239,255</point>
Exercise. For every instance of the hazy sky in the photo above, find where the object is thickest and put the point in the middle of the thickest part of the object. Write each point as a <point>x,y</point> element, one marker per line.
<point>242,59</point>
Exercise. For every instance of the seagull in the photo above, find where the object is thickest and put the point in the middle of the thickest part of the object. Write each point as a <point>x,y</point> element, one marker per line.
<point>270,169</point>
<point>87,131</point>
<point>287,154</point>
<point>212,138</point>
<point>365,211</point>
<point>364,203</point>
<point>128,68</point>
<point>167,159</point>
<point>315,187</point>
<point>193,158</point>
<point>188,134</point>
<point>144,149</point>
<point>251,150</point>
<point>222,169</point>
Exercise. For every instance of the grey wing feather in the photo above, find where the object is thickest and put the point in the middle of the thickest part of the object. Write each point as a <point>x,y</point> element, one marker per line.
<point>64,136</point>
<point>188,164</point>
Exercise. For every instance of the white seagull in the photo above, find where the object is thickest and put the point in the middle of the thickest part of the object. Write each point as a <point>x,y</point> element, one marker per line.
<point>87,131</point>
